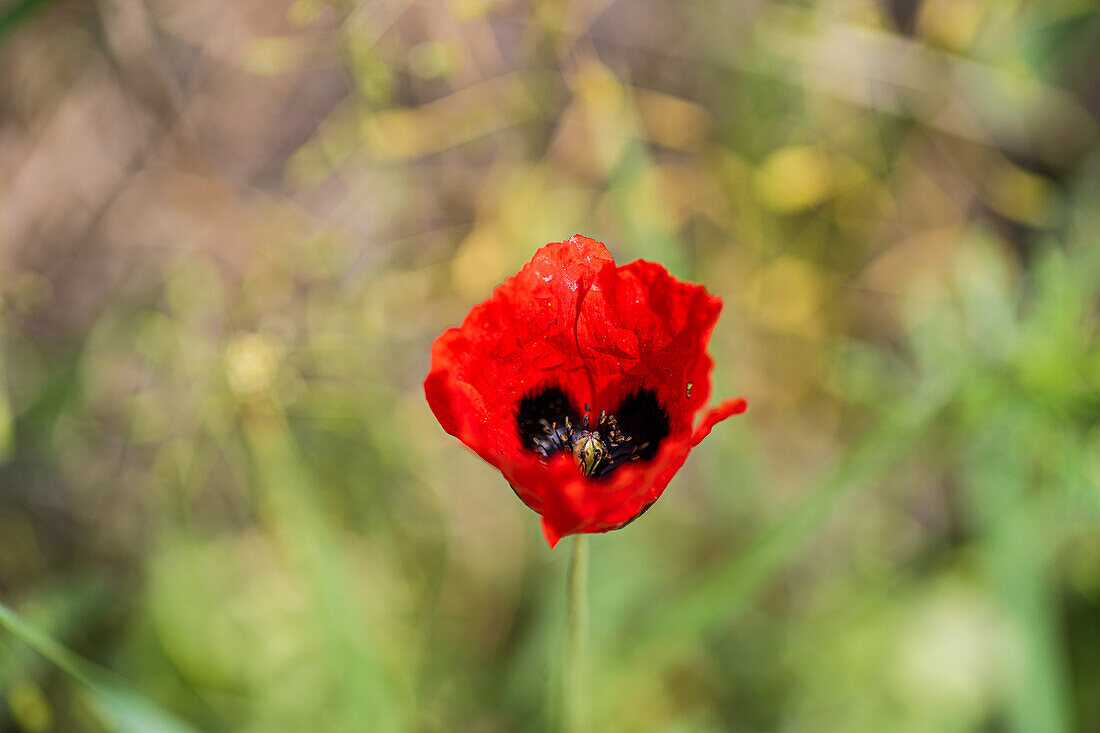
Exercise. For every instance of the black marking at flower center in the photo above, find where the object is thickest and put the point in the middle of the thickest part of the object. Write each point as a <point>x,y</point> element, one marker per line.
<point>548,424</point>
<point>551,406</point>
<point>643,418</point>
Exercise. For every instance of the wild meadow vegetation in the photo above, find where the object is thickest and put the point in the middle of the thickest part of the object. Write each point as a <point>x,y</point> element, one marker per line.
<point>229,232</point>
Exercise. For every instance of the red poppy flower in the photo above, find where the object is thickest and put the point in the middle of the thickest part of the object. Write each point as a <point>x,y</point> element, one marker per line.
<point>580,381</point>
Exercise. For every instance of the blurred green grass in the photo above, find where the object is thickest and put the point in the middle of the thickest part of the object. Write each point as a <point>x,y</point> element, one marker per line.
<point>229,233</point>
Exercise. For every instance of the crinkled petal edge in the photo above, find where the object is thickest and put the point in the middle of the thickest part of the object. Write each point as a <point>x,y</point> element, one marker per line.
<point>567,516</point>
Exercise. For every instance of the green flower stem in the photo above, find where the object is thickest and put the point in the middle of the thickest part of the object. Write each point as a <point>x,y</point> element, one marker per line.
<point>575,668</point>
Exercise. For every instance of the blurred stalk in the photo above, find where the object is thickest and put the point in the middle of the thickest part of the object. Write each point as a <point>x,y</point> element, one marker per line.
<point>119,708</point>
<point>7,419</point>
<point>51,650</point>
<point>1002,487</point>
<point>575,668</point>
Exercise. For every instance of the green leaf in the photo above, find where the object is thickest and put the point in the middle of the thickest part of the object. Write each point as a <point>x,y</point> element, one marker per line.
<point>119,709</point>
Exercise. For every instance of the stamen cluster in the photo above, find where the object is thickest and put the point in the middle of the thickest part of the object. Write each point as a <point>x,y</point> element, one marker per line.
<point>596,452</point>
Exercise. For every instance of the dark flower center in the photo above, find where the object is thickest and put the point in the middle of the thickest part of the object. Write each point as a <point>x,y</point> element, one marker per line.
<point>548,424</point>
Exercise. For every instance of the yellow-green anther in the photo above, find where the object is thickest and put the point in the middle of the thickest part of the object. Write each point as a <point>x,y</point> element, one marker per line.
<point>589,452</point>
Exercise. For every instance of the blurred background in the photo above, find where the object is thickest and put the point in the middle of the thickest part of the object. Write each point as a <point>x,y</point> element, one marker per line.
<point>229,232</point>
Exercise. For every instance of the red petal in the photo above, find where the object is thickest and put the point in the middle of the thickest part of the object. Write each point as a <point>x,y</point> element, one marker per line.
<point>639,326</point>
<point>550,533</point>
<point>522,338</point>
<point>716,415</point>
